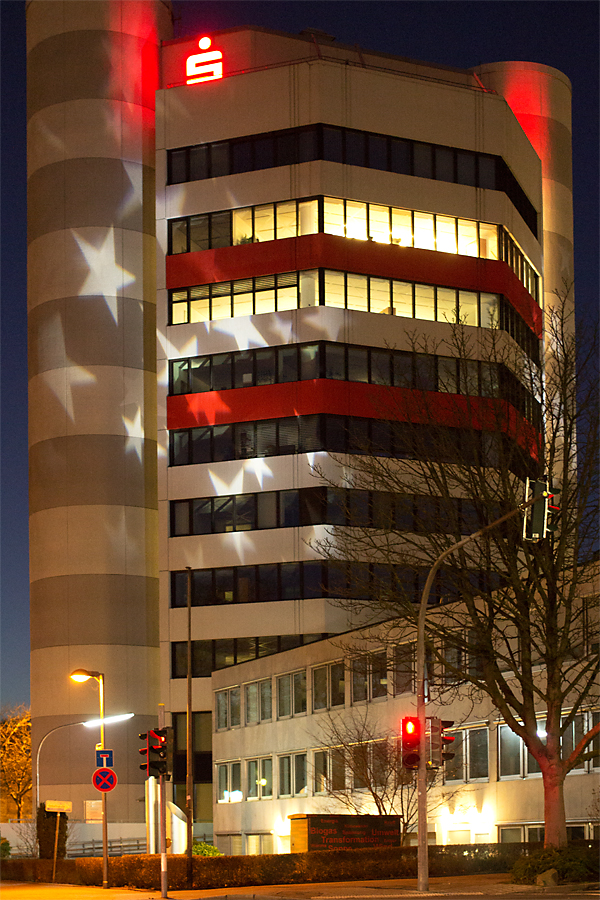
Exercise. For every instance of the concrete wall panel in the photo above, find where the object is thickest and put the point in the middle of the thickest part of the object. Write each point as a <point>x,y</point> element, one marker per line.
<point>127,257</point>
<point>92,399</point>
<point>129,676</point>
<point>87,64</point>
<point>84,605</point>
<point>90,128</point>
<point>56,200</point>
<point>59,472</point>
<point>244,548</point>
<point>123,541</point>
<point>97,331</point>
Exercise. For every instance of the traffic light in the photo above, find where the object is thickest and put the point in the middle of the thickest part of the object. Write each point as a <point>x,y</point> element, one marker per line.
<point>160,751</point>
<point>542,516</point>
<point>145,752</point>
<point>411,742</point>
<point>553,513</point>
<point>534,524</point>
<point>439,741</point>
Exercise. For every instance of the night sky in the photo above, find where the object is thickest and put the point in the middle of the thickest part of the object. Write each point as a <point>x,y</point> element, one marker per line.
<point>463,34</point>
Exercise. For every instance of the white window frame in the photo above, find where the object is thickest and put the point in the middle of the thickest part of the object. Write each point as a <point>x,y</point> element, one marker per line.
<point>228,692</point>
<point>231,796</point>
<point>292,680</point>
<point>260,762</point>
<point>263,714</point>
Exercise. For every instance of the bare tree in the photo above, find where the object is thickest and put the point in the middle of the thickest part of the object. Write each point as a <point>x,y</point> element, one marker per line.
<point>15,756</point>
<point>363,769</point>
<point>525,629</point>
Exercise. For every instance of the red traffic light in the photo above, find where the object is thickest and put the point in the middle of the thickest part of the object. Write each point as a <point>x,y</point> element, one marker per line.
<point>411,742</point>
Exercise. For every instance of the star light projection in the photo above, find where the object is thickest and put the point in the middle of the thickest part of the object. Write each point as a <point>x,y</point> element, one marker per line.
<point>105,278</point>
<point>62,381</point>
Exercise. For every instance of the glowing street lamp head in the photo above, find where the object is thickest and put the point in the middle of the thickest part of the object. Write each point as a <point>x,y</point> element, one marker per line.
<point>109,720</point>
<point>81,675</point>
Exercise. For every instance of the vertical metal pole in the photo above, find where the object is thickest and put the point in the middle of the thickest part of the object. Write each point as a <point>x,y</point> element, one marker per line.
<point>189,774</point>
<point>100,680</point>
<point>422,856</point>
<point>163,815</point>
<point>55,847</point>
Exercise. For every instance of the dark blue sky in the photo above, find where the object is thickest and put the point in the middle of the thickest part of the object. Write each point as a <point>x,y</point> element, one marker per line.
<point>560,34</point>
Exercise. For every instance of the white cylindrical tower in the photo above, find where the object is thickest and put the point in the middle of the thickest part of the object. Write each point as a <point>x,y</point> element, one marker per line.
<point>92,76</point>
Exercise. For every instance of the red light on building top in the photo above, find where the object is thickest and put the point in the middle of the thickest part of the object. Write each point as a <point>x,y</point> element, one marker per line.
<point>204,66</point>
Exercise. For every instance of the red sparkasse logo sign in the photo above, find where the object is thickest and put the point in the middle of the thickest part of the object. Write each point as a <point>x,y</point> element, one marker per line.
<point>205,66</point>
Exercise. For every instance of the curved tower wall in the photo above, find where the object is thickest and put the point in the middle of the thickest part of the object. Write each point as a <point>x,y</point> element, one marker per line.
<point>92,77</point>
<point>540,98</point>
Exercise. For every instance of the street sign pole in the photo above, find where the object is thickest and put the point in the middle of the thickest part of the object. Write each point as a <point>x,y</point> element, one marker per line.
<point>104,813</point>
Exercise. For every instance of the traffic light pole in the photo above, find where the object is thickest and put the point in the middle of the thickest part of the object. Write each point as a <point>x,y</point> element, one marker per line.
<point>163,815</point>
<point>189,762</point>
<point>422,856</point>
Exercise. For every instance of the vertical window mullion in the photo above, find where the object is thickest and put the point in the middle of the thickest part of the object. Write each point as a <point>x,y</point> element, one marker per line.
<point>321,280</point>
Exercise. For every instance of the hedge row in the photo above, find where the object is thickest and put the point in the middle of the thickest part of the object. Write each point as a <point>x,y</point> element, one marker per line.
<point>291,868</point>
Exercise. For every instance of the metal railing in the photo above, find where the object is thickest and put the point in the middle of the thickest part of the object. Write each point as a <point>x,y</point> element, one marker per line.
<point>116,847</point>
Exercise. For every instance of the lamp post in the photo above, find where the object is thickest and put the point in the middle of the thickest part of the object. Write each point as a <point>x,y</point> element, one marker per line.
<point>81,675</point>
<point>422,852</point>
<point>92,723</point>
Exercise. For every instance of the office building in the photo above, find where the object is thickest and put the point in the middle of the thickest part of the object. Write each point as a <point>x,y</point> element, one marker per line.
<point>317,207</point>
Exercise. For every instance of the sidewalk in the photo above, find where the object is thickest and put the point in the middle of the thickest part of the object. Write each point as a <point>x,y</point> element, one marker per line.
<point>462,885</point>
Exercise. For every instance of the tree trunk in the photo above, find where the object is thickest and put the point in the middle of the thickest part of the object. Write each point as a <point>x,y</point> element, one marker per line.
<point>555,834</point>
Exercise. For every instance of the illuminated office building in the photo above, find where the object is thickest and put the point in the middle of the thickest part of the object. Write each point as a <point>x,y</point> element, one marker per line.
<point>319,206</point>
<point>316,206</point>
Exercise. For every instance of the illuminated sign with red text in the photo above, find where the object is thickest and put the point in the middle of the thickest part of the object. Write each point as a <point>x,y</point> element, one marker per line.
<point>204,66</point>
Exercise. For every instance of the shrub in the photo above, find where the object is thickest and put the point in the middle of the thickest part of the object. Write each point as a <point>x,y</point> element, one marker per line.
<point>201,848</point>
<point>4,848</point>
<point>572,864</point>
<point>46,833</point>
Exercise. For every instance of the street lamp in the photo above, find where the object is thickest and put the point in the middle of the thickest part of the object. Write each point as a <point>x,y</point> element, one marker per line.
<point>82,675</point>
<point>92,723</point>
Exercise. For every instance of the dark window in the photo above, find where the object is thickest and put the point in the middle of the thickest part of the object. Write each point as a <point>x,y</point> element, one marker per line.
<point>222,379</point>
<point>424,372</point>
<point>444,164</point>
<point>198,162</point>
<point>377,149</point>
<point>423,160</point>
<point>335,361</point>
<point>466,167</point>
<point>332,144</point>
<point>202,448</point>
<point>308,145</point>
<point>355,148</point>
<point>287,364</point>
<point>287,151</point>
<point>200,374</point>
<point>199,233</point>
<point>487,172</point>
<point>242,158</point>
<point>219,159</point>
<point>264,152</point>
<point>222,442</point>
<point>178,166</point>
<point>400,157</point>
<point>220,229</point>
